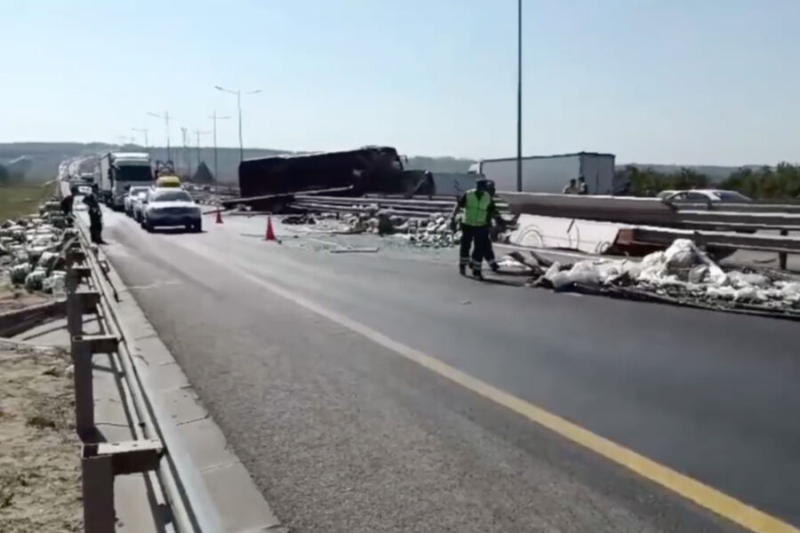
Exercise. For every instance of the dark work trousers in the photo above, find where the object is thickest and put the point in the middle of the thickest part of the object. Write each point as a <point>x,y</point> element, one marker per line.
<point>489,255</point>
<point>95,225</point>
<point>478,238</point>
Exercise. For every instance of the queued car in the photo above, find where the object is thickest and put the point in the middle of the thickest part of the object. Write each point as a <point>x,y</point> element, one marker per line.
<point>704,196</point>
<point>132,197</point>
<point>169,181</point>
<point>170,207</point>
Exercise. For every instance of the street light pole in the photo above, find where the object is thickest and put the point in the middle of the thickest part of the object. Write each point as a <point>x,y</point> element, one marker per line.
<point>215,118</point>
<point>144,132</point>
<point>198,132</point>
<point>186,157</point>
<point>519,95</point>
<point>238,93</point>
<point>166,118</point>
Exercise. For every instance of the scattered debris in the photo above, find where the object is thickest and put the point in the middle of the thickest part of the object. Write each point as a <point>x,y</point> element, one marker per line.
<point>682,274</point>
<point>32,250</point>
<point>353,250</point>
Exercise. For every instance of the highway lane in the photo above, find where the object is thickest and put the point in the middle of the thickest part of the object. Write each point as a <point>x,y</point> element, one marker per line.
<point>708,394</point>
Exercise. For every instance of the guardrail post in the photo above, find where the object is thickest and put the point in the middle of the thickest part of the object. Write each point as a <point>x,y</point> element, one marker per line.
<point>78,303</point>
<point>83,348</point>
<point>97,475</point>
<point>74,311</point>
<point>782,255</point>
<point>100,463</point>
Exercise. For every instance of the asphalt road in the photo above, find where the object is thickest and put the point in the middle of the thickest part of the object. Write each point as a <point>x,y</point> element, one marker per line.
<point>344,434</point>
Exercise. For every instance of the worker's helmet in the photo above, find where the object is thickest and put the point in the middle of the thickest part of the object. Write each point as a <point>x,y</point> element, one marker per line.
<point>481,184</point>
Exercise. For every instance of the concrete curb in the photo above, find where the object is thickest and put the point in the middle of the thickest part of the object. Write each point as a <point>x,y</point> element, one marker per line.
<point>240,505</point>
<point>20,320</point>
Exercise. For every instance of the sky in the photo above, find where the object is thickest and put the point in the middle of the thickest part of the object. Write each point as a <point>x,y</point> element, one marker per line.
<point>652,81</point>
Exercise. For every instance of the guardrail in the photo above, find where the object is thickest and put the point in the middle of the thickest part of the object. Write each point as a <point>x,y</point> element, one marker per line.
<point>156,447</point>
<point>421,207</point>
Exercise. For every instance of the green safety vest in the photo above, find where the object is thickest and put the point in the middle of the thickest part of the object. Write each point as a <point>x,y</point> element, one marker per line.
<point>476,210</point>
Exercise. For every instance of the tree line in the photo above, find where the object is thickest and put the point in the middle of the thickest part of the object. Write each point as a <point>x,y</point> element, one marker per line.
<point>766,183</point>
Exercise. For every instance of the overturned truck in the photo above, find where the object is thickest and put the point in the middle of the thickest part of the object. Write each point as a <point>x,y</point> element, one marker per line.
<point>267,183</point>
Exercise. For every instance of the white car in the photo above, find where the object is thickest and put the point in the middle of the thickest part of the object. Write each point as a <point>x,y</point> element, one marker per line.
<point>131,198</point>
<point>170,207</point>
<point>704,196</point>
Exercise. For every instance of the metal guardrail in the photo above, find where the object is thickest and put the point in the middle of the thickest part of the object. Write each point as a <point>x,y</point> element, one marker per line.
<point>157,447</point>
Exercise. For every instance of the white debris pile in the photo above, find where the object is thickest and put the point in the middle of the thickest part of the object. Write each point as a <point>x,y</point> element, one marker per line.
<point>682,271</point>
<point>31,250</point>
<point>431,232</point>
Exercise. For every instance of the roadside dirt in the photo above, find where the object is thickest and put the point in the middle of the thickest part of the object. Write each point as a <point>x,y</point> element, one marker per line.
<point>40,486</point>
<point>13,299</point>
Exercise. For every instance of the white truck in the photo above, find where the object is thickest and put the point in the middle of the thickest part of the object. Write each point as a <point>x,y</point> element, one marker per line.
<point>551,173</point>
<point>117,172</point>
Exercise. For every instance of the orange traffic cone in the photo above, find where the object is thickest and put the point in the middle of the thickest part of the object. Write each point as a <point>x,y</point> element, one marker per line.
<point>270,232</point>
<point>219,216</point>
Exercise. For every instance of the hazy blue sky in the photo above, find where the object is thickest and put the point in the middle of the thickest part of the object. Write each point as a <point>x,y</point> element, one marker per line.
<point>659,81</point>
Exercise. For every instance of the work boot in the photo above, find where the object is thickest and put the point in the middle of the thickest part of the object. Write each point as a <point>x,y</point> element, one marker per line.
<point>495,267</point>
<point>462,270</point>
<point>477,273</point>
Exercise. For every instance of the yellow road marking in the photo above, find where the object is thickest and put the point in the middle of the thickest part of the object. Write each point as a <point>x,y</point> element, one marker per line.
<point>712,499</point>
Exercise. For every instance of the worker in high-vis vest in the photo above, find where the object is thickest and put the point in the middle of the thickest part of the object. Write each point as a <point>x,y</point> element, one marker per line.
<point>479,210</point>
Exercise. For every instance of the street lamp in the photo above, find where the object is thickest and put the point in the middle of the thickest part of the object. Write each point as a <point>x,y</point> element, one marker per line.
<point>166,118</point>
<point>519,95</point>
<point>199,132</point>
<point>144,132</point>
<point>238,94</point>
<point>215,118</point>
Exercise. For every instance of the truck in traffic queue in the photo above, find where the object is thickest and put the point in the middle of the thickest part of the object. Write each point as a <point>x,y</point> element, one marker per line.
<point>551,173</point>
<point>117,172</point>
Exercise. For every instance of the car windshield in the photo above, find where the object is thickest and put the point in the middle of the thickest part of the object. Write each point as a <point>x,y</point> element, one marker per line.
<point>171,196</point>
<point>135,191</point>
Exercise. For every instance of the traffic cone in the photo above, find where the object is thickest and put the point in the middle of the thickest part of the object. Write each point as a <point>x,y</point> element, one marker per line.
<point>219,216</point>
<point>270,232</point>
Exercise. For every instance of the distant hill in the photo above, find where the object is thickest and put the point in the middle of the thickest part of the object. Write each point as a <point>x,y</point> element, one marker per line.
<point>42,159</point>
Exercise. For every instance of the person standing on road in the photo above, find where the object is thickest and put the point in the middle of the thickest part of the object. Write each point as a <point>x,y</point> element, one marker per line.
<point>489,256</point>
<point>95,217</point>
<point>66,205</point>
<point>479,209</point>
<point>572,188</point>
<point>583,189</point>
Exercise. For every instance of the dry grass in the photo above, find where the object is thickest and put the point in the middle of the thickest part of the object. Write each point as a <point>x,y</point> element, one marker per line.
<point>23,199</point>
<point>39,450</point>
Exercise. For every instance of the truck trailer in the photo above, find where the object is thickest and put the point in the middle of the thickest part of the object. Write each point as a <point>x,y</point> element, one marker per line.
<point>368,169</point>
<point>116,172</point>
<point>551,173</point>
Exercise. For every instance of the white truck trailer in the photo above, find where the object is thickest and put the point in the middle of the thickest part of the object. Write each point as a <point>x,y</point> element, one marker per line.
<point>117,171</point>
<point>551,173</point>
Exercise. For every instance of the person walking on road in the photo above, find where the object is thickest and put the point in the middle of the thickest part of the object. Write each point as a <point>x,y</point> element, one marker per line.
<point>479,209</point>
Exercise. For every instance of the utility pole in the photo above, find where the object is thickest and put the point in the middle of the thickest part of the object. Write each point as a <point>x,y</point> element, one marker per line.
<point>166,118</point>
<point>144,132</point>
<point>215,118</point>
<point>198,132</point>
<point>519,95</point>
<point>186,161</point>
<point>238,93</point>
